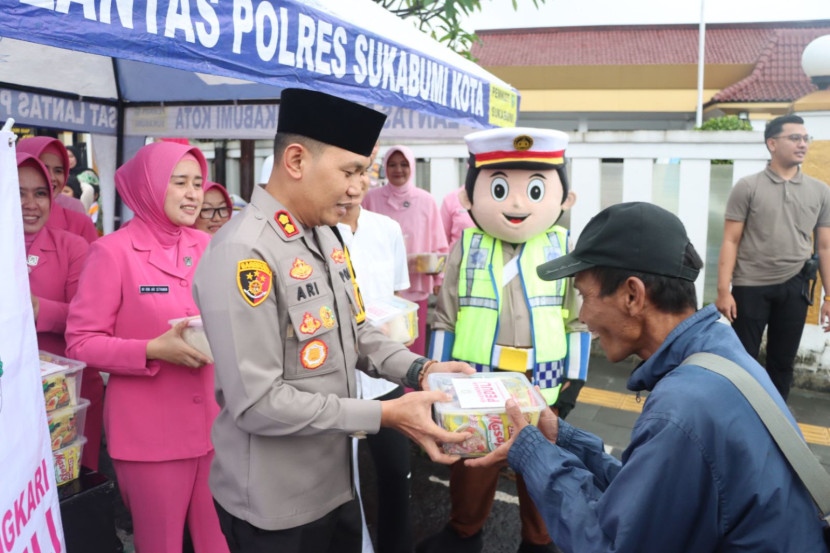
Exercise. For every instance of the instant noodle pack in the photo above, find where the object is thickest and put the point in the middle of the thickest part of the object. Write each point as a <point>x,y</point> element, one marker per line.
<point>478,405</point>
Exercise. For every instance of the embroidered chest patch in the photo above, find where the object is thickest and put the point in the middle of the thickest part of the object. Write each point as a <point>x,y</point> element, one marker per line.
<point>314,354</point>
<point>254,277</point>
<point>327,316</point>
<point>310,324</point>
<point>338,255</point>
<point>300,269</point>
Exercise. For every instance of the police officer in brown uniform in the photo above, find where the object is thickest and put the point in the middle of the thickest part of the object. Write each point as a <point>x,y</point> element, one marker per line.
<point>285,321</point>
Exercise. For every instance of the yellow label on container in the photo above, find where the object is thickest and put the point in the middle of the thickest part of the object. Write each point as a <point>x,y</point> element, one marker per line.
<point>504,106</point>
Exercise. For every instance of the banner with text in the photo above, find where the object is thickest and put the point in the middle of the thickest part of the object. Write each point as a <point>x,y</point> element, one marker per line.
<point>30,518</point>
<point>41,110</point>
<point>259,121</point>
<point>279,42</point>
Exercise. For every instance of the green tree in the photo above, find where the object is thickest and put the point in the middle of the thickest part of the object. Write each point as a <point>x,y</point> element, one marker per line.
<point>442,19</point>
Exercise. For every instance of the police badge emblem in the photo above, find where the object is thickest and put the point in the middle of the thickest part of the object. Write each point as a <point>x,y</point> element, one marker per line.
<point>253,276</point>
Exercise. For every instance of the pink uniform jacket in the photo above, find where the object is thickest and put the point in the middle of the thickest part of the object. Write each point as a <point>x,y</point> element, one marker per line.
<point>55,259</point>
<point>454,217</point>
<point>129,290</point>
<point>72,221</point>
<point>417,213</point>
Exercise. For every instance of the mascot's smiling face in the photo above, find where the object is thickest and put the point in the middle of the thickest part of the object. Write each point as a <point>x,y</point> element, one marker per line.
<point>515,205</point>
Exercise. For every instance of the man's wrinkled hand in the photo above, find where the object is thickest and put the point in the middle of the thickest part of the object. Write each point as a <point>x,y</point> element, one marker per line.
<point>411,415</point>
<point>499,455</point>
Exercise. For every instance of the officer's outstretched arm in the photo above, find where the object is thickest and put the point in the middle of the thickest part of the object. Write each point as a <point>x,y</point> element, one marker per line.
<point>411,416</point>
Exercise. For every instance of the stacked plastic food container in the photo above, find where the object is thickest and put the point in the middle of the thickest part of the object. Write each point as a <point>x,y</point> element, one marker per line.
<point>65,411</point>
<point>395,317</point>
<point>477,407</point>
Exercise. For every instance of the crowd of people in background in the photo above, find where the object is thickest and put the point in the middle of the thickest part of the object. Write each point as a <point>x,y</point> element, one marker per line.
<point>109,301</point>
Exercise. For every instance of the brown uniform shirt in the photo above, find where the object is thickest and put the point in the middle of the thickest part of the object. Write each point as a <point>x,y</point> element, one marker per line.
<point>779,216</point>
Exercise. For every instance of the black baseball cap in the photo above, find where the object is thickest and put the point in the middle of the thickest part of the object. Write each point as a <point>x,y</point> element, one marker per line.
<point>330,120</point>
<point>636,236</point>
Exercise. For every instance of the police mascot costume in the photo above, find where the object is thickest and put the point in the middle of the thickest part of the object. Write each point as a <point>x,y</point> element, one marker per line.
<point>496,314</point>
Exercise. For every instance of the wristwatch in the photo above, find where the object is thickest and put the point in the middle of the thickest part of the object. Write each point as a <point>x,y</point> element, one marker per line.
<point>413,375</point>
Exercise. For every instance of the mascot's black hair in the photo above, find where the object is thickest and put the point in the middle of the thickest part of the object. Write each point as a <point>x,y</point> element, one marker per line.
<point>473,172</point>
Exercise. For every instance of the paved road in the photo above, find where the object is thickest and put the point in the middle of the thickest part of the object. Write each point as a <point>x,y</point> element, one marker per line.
<point>430,495</point>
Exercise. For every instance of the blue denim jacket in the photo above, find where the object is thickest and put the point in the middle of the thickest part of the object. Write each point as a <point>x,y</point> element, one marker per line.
<point>701,473</point>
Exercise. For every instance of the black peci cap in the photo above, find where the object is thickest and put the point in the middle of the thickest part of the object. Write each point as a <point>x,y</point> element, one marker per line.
<point>636,236</point>
<point>330,120</point>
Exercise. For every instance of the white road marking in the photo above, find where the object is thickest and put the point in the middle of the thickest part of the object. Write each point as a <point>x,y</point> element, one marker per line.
<point>500,496</point>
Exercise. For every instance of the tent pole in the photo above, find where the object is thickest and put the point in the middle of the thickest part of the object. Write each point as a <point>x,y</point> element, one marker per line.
<point>119,138</point>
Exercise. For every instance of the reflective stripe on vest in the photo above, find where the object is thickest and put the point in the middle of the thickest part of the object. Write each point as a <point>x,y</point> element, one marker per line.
<point>480,297</point>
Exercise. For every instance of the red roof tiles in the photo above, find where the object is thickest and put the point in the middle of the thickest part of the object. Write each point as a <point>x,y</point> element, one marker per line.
<point>775,48</point>
<point>778,75</point>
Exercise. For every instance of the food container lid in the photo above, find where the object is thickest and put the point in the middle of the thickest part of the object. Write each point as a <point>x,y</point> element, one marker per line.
<point>193,322</point>
<point>76,443</point>
<point>483,393</point>
<point>379,311</point>
<point>82,405</point>
<point>53,364</point>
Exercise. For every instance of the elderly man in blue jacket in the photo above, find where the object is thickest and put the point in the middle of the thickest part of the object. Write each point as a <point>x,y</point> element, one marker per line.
<point>701,474</point>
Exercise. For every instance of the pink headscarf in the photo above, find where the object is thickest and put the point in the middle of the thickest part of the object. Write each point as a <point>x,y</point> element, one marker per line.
<point>210,185</point>
<point>142,183</point>
<point>40,145</point>
<point>28,160</point>
<point>397,195</point>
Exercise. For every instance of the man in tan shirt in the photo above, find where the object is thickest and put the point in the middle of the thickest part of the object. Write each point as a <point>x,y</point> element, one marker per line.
<point>767,238</point>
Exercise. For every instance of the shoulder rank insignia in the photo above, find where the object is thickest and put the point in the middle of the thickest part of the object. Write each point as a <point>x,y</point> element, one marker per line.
<point>310,324</point>
<point>253,276</point>
<point>286,223</point>
<point>327,316</point>
<point>338,255</point>
<point>314,354</point>
<point>300,269</point>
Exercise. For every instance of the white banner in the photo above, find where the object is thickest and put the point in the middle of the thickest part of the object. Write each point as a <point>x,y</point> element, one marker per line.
<point>30,518</point>
<point>259,121</point>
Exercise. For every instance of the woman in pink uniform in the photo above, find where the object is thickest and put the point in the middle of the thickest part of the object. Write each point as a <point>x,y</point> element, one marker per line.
<point>454,217</point>
<point>417,213</point>
<point>216,208</point>
<point>52,153</point>
<point>160,402</point>
<point>55,257</point>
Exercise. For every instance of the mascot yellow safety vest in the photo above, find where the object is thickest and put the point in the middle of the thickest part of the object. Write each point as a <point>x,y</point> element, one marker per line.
<point>480,286</point>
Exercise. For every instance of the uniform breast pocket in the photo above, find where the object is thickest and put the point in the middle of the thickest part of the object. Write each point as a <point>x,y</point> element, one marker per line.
<point>313,345</point>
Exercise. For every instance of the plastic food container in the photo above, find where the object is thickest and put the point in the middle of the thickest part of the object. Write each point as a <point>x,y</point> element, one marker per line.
<point>61,379</point>
<point>478,405</point>
<point>67,425</point>
<point>428,263</point>
<point>395,317</point>
<point>68,461</point>
<point>194,334</point>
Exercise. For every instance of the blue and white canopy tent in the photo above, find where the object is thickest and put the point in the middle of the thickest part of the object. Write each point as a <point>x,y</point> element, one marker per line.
<point>127,69</point>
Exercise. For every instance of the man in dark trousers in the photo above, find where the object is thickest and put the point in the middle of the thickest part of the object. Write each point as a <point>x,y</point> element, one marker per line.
<point>766,250</point>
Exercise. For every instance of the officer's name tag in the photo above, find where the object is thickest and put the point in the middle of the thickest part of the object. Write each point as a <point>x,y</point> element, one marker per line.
<point>153,289</point>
